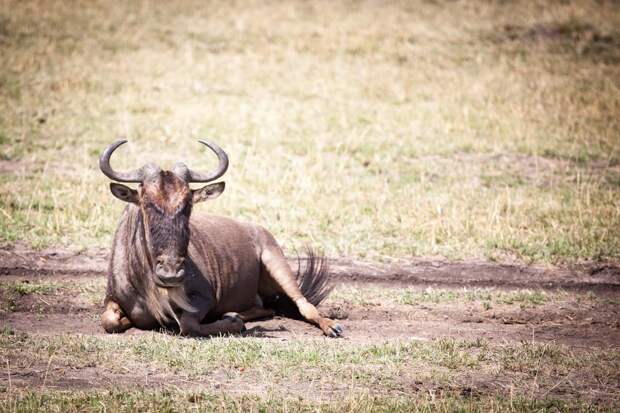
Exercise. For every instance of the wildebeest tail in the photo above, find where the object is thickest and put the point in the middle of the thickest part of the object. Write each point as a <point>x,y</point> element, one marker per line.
<point>313,280</point>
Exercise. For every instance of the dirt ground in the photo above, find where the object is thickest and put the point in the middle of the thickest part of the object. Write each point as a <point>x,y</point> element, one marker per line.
<point>596,324</point>
<point>584,317</point>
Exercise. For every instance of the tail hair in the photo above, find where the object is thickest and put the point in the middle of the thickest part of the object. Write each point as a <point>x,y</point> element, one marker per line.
<point>313,279</point>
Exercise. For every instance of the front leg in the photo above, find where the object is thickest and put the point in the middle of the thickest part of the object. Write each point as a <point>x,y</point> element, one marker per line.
<point>113,319</point>
<point>189,322</point>
<point>190,326</point>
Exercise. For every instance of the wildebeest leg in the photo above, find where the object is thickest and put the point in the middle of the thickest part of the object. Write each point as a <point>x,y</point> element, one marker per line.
<point>113,319</point>
<point>256,313</point>
<point>190,326</point>
<point>190,322</point>
<point>277,267</point>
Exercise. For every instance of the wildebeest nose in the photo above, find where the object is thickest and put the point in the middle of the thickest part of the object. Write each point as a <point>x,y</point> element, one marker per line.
<point>169,278</point>
<point>170,271</point>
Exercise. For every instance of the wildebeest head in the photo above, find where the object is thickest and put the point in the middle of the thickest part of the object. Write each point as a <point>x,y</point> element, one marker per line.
<point>166,201</point>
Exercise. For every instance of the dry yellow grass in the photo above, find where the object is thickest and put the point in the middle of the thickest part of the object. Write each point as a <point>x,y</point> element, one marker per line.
<point>377,130</point>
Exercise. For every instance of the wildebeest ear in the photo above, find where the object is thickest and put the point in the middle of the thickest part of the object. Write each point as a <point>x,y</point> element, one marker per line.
<point>124,193</point>
<point>211,191</point>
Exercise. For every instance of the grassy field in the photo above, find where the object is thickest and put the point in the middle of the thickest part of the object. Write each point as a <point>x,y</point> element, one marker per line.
<point>518,377</point>
<point>378,131</point>
<point>375,130</point>
<point>49,366</point>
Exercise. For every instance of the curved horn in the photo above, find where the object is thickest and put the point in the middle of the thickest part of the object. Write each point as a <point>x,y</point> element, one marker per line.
<point>221,169</point>
<point>136,175</point>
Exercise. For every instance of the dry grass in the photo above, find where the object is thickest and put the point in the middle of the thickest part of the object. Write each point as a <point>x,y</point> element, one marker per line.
<point>375,130</point>
<point>365,295</point>
<point>184,400</point>
<point>48,369</point>
<point>472,375</point>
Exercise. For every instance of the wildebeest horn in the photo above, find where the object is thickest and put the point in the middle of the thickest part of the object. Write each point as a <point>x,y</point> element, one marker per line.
<point>221,168</point>
<point>136,175</point>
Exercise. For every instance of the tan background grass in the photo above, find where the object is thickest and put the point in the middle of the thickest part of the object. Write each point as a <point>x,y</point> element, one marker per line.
<point>376,130</point>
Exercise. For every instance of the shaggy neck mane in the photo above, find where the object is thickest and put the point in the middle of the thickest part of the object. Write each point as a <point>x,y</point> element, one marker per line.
<point>160,302</point>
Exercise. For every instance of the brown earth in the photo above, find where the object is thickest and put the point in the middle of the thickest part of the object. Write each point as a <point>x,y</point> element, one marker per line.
<point>586,318</point>
<point>604,278</point>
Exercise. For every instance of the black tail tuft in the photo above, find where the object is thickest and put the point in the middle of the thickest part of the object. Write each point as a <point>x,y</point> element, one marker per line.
<point>313,277</point>
<point>313,280</point>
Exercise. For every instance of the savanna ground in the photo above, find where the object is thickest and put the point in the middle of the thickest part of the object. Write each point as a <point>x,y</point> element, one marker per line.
<point>459,162</point>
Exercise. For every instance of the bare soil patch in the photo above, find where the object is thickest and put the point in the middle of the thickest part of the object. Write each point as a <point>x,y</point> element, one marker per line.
<point>9,167</point>
<point>583,39</point>
<point>61,264</point>
<point>595,323</point>
<point>581,311</point>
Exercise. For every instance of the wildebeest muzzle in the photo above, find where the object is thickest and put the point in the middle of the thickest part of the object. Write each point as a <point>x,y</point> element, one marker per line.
<point>169,271</point>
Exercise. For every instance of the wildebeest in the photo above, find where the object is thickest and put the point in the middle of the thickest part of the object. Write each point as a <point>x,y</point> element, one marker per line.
<point>199,274</point>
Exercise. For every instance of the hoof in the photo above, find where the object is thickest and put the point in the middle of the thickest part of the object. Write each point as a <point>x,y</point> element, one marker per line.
<point>231,316</point>
<point>235,319</point>
<point>113,319</point>
<point>335,330</point>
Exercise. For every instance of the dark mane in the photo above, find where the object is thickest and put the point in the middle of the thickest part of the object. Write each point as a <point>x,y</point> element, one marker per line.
<point>159,301</point>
